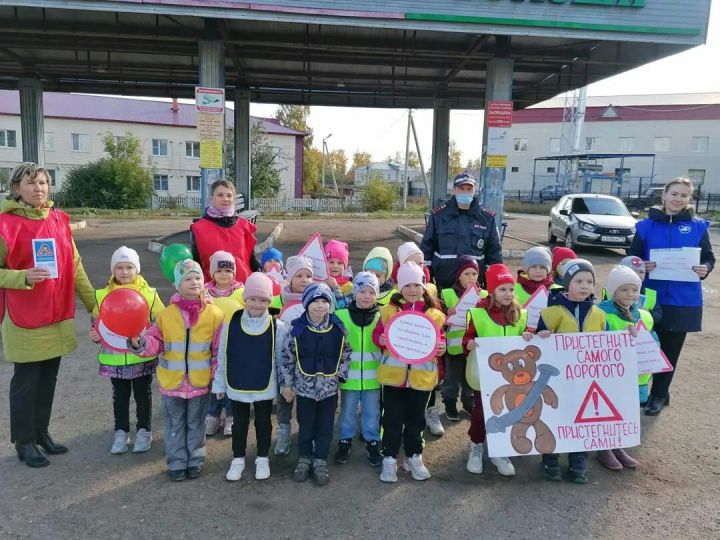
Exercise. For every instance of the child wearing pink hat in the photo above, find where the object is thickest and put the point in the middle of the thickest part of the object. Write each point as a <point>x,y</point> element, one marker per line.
<point>340,279</point>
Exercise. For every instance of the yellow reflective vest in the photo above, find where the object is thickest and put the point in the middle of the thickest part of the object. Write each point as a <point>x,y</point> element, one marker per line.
<point>229,304</point>
<point>455,335</point>
<point>364,354</point>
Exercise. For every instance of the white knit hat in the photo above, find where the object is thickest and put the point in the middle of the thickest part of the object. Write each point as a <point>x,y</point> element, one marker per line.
<point>125,254</point>
<point>619,276</point>
<point>410,273</point>
<point>407,249</point>
<point>296,263</point>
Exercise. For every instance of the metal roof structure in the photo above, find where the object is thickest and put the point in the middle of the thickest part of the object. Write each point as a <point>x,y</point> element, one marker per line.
<point>616,155</point>
<point>394,53</point>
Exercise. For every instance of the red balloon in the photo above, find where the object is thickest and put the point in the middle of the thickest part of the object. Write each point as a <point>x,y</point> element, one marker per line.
<point>125,312</point>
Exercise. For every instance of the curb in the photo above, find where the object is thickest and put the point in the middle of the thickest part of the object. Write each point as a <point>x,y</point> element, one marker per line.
<point>77,225</point>
<point>506,253</point>
<point>156,245</point>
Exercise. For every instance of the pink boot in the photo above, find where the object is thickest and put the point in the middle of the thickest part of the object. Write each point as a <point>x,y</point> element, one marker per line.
<point>625,459</point>
<point>608,460</point>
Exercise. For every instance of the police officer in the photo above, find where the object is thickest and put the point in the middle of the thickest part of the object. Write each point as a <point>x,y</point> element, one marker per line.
<point>460,227</point>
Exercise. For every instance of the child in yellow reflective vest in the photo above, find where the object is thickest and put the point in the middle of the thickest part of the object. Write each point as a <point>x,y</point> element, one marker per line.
<point>186,335</point>
<point>129,374</point>
<point>226,294</point>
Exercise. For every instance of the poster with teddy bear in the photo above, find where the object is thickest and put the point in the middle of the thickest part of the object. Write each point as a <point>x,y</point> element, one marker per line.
<point>564,393</point>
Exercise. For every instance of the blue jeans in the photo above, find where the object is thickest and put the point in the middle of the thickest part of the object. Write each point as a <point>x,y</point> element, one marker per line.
<point>216,406</point>
<point>369,401</point>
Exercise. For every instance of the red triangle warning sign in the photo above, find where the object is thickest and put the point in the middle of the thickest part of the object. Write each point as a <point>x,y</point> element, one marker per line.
<point>597,407</point>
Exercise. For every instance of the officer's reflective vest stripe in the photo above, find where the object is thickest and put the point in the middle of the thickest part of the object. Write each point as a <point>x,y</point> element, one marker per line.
<point>230,304</point>
<point>454,334</point>
<point>108,357</point>
<point>394,372</point>
<point>365,355</point>
<point>486,327</point>
<point>187,350</point>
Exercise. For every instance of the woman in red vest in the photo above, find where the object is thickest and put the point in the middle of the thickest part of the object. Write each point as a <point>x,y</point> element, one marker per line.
<point>220,229</point>
<point>38,305</point>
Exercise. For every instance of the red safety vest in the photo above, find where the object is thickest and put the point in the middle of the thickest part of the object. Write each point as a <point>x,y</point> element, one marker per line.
<point>49,301</point>
<point>238,240</point>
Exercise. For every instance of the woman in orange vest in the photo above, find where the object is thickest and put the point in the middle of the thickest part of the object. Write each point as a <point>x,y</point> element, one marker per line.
<point>220,229</point>
<point>39,306</point>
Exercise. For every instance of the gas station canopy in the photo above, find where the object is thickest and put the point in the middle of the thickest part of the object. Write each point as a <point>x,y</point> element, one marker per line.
<point>393,53</point>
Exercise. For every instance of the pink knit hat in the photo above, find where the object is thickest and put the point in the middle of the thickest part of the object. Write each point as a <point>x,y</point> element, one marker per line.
<point>337,249</point>
<point>410,273</point>
<point>258,285</point>
<point>221,259</point>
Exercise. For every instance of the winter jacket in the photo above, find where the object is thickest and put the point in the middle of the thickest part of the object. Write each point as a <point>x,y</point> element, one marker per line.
<point>565,316</point>
<point>57,339</point>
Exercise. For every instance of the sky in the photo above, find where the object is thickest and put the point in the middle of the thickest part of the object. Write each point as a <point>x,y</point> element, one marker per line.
<point>382,131</point>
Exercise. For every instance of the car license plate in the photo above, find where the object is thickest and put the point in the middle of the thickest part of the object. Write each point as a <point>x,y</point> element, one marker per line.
<point>612,238</point>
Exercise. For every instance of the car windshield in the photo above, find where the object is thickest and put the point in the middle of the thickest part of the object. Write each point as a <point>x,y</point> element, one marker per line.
<point>600,206</point>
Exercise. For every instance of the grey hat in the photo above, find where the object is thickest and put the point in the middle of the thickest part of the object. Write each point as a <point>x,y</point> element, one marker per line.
<point>635,263</point>
<point>537,256</point>
<point>575,266</point>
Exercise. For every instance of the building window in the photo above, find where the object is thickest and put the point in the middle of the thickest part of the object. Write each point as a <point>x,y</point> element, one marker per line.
<point>554,145</point>
<point>193,183</point>
<point>8,138</point>
<point>697,176</point>
<point>80,142</point>
<point>626,144</point>
<point>49,140</point>
<point>591,144</point>
<point>520,145</point>
<point>551,169</point>
<point>160,182</point>
<point>52,177</point>
<point>192,149</point>
<point>159,147</point>
<point>514,169</point>
<point>700,144</point>
<point>662,144</point>
<point>119,139</point>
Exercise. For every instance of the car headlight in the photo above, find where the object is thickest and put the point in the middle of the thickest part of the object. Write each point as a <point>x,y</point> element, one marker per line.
<point>586,226</point>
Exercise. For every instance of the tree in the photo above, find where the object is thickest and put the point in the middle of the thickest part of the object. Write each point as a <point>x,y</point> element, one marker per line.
<point>474,164</point>
<point>395,158</point>
<point>313,170</point>
<point>116,181</point>
<point>336,160</point>
<point>5,179</point>
<point>413,160</point>
<point>263,162</point>
<point>360,159</point>
<point>296,117</point>
<point>454,160</point>
<point>378,195</point>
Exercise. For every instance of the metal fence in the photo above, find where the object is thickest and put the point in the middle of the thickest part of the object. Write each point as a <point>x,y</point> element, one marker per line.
<point>174,201</point>
<point>301,205</point>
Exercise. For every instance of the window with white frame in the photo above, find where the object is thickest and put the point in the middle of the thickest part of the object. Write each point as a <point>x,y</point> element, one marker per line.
<point>700,144</point>
<point>192,182</point>
<point>554,145</point>
<point>159,147</point>
<point>8,138</point>
<point>626,144</point>
<point>662,144</point>
<point>192,149</point>
<point>49,140</point>
<point>51,172</point>
<point>697,176</point>
<point>520,145</point>
<point>80,142</point>
<point>591,143</point>
<point>160,182</point>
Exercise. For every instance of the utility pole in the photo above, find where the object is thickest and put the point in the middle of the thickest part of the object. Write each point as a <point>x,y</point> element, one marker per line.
<point>324,153</point>
<point>407,151</point>
<point>420,159</point>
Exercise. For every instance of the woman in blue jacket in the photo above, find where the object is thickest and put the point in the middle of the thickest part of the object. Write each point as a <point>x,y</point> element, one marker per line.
<point>673,225</point>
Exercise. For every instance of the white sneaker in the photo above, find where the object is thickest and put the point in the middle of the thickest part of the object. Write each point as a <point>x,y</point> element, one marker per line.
<point>474,462</point>
<point>237,466</point>
<point>120,442</point>
<point>504,466</point>
<point>143,441</point>
<point>432,419</point>
<point>212,424</point>
<point>389,470</point>
<point>417,468</point>
<point>262,468</point>
<point>227,428</point>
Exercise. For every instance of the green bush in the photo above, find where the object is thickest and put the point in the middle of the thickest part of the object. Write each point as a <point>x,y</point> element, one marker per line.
<point>118,181</point>
<point>378,196</point>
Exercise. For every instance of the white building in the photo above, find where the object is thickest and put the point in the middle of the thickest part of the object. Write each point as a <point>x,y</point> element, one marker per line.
<point>75,126</point>
<point>392,173</point>
<point>681,130</point>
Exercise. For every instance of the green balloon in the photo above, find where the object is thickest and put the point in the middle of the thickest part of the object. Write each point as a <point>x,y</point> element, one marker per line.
<point>170,256</point>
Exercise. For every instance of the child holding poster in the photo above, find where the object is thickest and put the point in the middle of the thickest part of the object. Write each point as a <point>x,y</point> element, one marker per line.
<point>536,272</point>
<point>379,261</point>
<point>560,257</point>
<point>569,311</point>
<point>499,314</point>
<point>454,382</point>
<point>129,374</point>
<point>406,389</point>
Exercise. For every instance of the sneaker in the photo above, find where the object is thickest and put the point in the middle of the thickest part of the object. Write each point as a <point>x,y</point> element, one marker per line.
<point>578,476</point>
<point>302,470</point>
<point>432,418</point>
<point>194,472</point>
<point>389,470</point>
<point>227,427</point>
<point>143,441</point>
<point>212,425</point>
<point>467,406</point>
<point>343,452</point>
<point>373,453</point>
<point>504,466</point>
<point>417,468</point>
<point>237,466</point>
<point>177,476</point>
<point>451,411</point>
<point>552,473</point>
<point>262,468</point>
<point>282,445</point>
<point>644,391</point>
<point>474,462</point>
<point>320,472</point>
<point>608,460</point>
<point>120,442</point>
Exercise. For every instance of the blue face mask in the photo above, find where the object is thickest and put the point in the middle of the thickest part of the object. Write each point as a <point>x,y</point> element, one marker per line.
<point>464,198</point>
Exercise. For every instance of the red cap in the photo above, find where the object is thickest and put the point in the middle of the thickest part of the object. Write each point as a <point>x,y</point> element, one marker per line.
<point>496,275</point>
<point>560,254</point>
